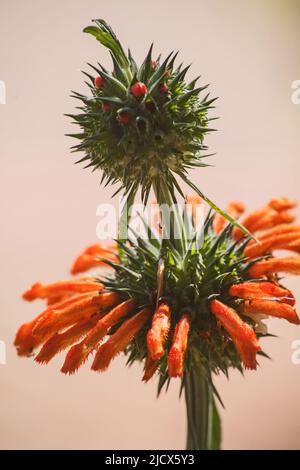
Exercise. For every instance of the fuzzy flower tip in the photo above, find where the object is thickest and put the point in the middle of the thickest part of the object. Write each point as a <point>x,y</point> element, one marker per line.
<point>213,299</point>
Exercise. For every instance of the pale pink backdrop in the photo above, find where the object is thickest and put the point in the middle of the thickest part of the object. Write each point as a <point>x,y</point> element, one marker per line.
<point>249,52</point>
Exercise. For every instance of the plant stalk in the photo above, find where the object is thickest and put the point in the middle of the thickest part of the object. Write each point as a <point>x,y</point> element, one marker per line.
<point>172,223</point>
<point>203,421</point>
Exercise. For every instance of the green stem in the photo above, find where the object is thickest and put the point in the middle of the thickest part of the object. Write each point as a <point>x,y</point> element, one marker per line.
<point>203,421</point>
<point>172,225</point>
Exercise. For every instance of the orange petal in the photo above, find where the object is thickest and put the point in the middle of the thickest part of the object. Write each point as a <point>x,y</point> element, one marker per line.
<point>99,248</point>
<point>85,261</point>
<point>79,353</point>
<point>66,314</point>
<point>179,346</point>
<point>158,333</point>
<point>271,308</point>
<point>61,341</point>
<point>150,368</point>
<point>242,334</point>
<point>120,340</point>
<point>61,288</point>
<point>280,229</point>
<point>282,204</point>
<point>254,290</point>
<point>250,221</point>
<point>263,219</point>
<point>234,208</point>
<point>290,265</point>
<point>275,242</point>
<point>25,341</point>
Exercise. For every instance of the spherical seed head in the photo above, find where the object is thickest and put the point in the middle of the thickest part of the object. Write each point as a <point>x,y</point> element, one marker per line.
<point>98,82</point>
<point>138,90</point>
<point>170,111</point>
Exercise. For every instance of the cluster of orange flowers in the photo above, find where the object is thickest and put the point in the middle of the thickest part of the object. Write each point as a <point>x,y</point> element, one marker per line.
<point>81,313</point>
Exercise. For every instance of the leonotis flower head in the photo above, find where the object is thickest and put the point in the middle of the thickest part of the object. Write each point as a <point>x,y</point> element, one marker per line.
<point>197,307</point>
<point>141,123</point>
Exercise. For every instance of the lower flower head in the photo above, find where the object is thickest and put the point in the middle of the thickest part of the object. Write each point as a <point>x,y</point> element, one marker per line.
<point>209,311</point>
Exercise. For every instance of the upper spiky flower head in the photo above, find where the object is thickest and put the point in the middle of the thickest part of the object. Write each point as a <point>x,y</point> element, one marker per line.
<point>140,122</point>
<point>177,310</point>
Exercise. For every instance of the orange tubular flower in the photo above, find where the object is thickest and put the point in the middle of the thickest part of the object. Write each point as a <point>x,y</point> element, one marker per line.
<point>241,333</point>
<point>261,290</point>
<point>120,340</point>
<point>271,308</point>
<point>157,335</point>
<point>61,341</point>
<point>179,346</point>
<point>273,214</point>
<point>150,368</point>
<point>234,208</point>
<point>282,204</point>
<point>276,242</point>
<point>270,266</point>
<point>61,289</point>
<point>80,352</point>
<point>66,313</point>
<point>95,256</point>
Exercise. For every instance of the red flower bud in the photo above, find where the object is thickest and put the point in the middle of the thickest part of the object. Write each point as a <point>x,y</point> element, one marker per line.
<point>163,88</point>
<point>138,90</point>
<point>124,117</point>
<point>98,82</point>
<point>154,64</point>
<point>106,107</point>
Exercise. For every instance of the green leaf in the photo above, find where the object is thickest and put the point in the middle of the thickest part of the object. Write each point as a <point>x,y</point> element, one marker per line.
<point>105,35</point>
<point>215,431</point>
<point>216,208</point>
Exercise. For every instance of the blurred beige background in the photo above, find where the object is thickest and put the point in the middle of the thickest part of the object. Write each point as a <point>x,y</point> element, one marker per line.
<point>249,52</point>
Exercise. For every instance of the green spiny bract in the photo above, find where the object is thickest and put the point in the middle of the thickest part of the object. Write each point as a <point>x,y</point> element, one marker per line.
<point>206,268</point>
<point>137,135</point>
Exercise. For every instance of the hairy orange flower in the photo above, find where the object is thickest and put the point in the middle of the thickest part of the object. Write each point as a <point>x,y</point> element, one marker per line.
<point>94,256</point>
<point>157,335</point>
<point>179,346</point>
<point>241,333</point>
<point>119,340</point>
